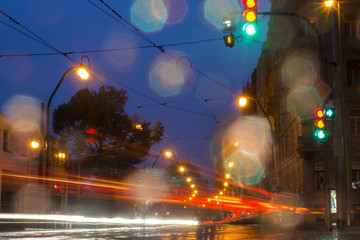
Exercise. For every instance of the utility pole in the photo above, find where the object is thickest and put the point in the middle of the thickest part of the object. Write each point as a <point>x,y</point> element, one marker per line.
<point>341,164</point>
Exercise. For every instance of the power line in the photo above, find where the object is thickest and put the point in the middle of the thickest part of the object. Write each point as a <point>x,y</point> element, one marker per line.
<point>137,32</point>
<point>43,42</point>
<point>37,36</point>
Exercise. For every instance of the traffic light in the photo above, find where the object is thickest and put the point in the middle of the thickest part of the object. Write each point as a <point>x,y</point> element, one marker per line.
<point>329,112</point>
<point>229,40</point>
<point>320,132</point>
<point>250,17</point>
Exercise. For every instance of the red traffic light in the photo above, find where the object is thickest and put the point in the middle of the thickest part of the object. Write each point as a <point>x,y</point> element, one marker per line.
<point>250,4</point>
<point>319,113</point>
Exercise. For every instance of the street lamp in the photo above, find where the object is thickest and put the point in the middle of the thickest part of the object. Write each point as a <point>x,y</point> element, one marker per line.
<point>329,3</point>
<point>83,74</point>
<point>242,103</point>
<point>340,144</point>
<point>167,154</point>
<point>34,144</point>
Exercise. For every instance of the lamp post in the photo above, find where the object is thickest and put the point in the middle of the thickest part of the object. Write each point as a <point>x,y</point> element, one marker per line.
<point>167,154</point>
<point>34,145</point>
<point>83,74</point>
<point>340,154</point>
<point>242,103</point>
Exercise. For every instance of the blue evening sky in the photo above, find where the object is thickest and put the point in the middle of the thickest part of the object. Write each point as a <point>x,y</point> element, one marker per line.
<point>70,25</point>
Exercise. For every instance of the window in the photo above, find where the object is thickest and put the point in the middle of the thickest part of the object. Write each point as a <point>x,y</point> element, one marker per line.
<point>304,29</point>
<point>352,73</point>
<point>354,117</point>
<point>350,28</point>
<point>6,137</point>
<point>355,179</point>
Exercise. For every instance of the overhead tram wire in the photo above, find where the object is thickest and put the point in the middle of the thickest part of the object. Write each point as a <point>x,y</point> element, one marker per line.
<point>133,29</point>
<point>148,97</point>
<point>75,61</point>
<point>37,36</point>
<point>138,92</point>
<point>45,43</point>
<point>165,53</point>
<point>157,46</point>
<point>197,91</point>
<point>101,50</point>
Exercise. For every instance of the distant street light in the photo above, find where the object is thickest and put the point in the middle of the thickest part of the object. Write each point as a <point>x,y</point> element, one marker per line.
<point>34,144</point>
<point>181,169</point>
<point>329,3</point>
<point>167,154</point>
<point>83,74</point>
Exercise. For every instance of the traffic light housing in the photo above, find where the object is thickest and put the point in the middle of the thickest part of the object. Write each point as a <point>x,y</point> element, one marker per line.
<point>229,40</point>
<point>329,112</point>
<point>320,132</point>
<point>250,17</point>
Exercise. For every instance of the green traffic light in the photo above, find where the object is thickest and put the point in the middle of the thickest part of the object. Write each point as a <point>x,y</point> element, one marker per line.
<point>320,134</point>
<point>249,29</point>
<point>329,112</point>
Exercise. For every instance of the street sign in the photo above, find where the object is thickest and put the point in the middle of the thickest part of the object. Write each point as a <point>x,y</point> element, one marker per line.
<point>274,181</point>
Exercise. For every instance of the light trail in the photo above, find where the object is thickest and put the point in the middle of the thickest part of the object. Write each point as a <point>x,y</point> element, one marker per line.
<point>241,206</point>
<point>84,220</point>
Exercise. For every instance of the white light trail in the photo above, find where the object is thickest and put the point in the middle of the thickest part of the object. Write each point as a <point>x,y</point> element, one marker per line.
<point>82,219</point>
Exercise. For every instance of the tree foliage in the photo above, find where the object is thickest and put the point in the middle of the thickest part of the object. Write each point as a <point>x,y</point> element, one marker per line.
<point>102,135</point>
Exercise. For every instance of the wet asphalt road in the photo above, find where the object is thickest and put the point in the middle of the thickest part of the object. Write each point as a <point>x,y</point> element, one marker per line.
<point>203,232</point>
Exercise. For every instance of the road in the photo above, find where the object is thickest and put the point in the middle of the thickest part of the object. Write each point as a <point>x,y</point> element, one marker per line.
<point>203,232</point>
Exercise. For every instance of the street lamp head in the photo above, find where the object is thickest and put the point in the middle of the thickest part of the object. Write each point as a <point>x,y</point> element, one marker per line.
<point>34,144</point>
<point>168,154</point>
<point>329,3</point>
<point>181,169</point>
<point>242,102</point>
<point>83,73</point>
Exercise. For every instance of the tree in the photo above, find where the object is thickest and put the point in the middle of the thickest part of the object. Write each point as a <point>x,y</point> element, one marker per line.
<point>110,141</point>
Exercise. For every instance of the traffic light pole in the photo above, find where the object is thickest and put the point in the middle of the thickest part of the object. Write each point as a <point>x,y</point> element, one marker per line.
<point>341,162</point>
<point>328,220</point>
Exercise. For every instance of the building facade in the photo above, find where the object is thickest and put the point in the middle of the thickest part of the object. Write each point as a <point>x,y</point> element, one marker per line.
<point>295,75</point>
<point>23,188</point>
